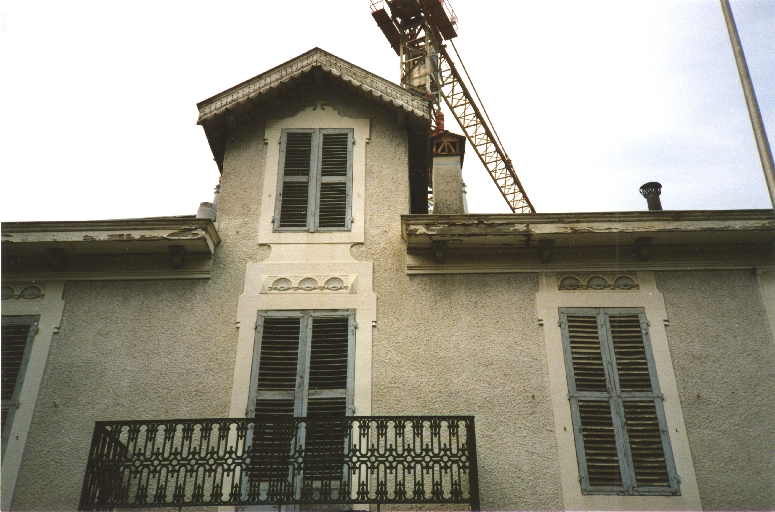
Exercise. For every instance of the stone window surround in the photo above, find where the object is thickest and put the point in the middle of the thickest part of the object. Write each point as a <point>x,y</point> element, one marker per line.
<point>548,302</point>
<point>49,308</point>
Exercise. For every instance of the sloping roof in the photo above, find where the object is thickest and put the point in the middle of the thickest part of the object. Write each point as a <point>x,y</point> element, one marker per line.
<point>253,91</point>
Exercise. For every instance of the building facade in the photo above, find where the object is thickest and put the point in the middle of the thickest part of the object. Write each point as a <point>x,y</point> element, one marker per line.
<point>608,360</point>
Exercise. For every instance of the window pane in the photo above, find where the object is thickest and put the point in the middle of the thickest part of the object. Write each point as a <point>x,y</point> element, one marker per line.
<point>599,443</point>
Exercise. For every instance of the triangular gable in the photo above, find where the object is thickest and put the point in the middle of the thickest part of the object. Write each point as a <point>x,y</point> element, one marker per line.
<point>219,111</point>
<point>252,90</point>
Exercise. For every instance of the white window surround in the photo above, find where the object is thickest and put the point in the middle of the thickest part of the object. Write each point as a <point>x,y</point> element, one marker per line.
<point>549,300</point>
<point>319,115</point>
<point>306,260</point>
<point>50,308</point>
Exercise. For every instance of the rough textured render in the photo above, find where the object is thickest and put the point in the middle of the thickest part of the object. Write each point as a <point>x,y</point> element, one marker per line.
<point>724,357</point>
<point>143,350</point>
<point>459,345</point>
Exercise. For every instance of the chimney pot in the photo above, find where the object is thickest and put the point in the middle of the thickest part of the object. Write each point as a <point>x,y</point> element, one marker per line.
<point>651,191</point>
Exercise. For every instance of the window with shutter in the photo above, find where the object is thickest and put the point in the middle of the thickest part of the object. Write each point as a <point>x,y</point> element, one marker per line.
<point>622,441</point>
<point>17,335</point>
<point>315,180</point>
<point>302,367</point>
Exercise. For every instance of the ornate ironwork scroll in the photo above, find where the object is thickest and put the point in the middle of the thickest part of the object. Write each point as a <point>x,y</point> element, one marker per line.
<point>276,460</point>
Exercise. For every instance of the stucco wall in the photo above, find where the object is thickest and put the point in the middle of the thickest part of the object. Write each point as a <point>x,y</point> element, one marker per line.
<point>724,359</point>
<point>460,344</point>
<point>143,349</point>
<point>166,349</point>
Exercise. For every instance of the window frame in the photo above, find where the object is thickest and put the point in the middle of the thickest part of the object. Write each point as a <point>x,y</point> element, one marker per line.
<point>616,399</point>
<point>13,403</point>
<point>305,341</point>
<point>315,179</point>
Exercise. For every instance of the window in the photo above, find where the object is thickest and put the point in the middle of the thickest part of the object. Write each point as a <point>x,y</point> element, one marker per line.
<point>622,441</point>
<point>314,190</point>
<point>302,367</point>
<point>17,335</point>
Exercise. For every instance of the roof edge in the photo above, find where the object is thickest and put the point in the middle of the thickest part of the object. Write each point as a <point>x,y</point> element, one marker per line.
<point>248,90</point>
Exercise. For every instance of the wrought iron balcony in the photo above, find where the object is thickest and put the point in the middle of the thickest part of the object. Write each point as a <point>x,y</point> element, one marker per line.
<point>273,460</point>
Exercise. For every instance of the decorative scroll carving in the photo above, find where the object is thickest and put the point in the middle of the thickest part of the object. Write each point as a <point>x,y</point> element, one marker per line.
<point>22,291</point>
<point>309,284</point>
<point>597,282</point>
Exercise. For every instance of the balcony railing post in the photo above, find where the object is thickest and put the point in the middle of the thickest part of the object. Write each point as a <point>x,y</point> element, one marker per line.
<point>473,476</point>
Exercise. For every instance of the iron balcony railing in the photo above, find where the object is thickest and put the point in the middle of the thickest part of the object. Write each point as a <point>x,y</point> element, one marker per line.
<point>273,460</point>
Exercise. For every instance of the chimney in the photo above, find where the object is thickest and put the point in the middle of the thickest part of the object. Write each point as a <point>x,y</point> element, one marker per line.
<point>447,174</point>
<point>651,192</point>
<point>210,210</point>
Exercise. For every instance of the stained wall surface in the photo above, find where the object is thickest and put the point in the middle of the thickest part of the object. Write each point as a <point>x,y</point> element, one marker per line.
<point>724,359</point>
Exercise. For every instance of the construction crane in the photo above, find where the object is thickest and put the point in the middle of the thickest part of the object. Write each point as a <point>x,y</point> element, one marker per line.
<point>415,29</point>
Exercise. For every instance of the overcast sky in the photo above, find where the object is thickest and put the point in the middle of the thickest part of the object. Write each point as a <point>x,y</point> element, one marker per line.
<point>591,99</point>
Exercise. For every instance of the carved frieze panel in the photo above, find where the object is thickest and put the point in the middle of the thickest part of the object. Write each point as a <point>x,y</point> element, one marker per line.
<point>318,283</point>
<point>23,291</point>
<point>597,281</point>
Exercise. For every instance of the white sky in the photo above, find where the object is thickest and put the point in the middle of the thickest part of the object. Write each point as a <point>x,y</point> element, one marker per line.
<point>591,99</point>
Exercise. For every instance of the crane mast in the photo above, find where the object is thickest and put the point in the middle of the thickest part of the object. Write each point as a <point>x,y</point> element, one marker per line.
<point>415,30</point>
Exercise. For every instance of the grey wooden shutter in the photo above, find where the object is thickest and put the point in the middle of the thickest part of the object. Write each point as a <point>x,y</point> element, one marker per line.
<point>335,181</point>
<point>596,444</point>
<point>328,397</point>
<point>302,363</point>
<point>644,420</point>
<point>621,436</point>
<point>276,366</point>
<point>302,366</point>
<point>17,336</point>
<point>298,158</point>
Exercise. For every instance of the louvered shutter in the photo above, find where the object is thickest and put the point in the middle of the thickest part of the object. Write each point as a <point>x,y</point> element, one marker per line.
<point>314,190</point>
<point>591,402</point>
<point>620,429</point>
<point>302,366</point>
<point>335,180</point>
<point>17,336</point>
<point>327,396</point>
<point>298,156</point>
<point>636,382</point>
